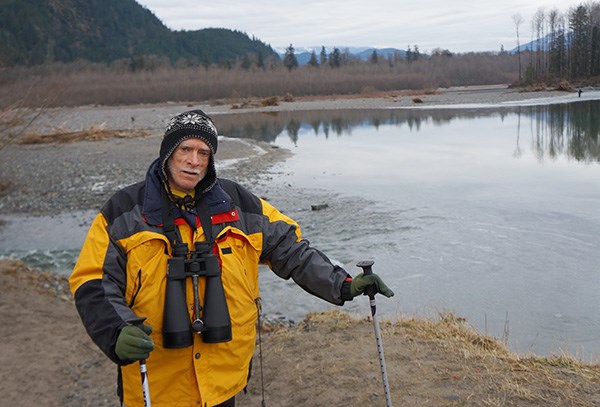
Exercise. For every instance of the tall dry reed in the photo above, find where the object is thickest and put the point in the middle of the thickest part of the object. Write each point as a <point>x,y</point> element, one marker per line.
<point>81,84</point>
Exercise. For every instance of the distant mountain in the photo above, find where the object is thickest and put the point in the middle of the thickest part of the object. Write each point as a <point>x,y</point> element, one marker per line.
<point>530,46</point>
<point>541,44</point>
<point>381,53</point>
<point>35,32</point>
<point>363,53</point>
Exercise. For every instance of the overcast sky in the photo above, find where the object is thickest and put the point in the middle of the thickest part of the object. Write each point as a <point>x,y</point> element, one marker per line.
<point>456,25</point>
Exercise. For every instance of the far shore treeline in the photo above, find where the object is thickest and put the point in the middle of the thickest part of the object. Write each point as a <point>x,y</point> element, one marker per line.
<point>76,52</point>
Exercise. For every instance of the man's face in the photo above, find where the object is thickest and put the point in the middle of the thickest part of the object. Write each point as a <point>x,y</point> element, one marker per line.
<point>188,164</point>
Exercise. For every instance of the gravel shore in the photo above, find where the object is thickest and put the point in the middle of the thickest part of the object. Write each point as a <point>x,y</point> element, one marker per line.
<point>47,179</point>
<point>51,178</point>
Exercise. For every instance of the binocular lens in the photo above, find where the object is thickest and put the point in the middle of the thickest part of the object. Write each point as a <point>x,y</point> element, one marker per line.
<point>177,332</point>
<point>215,325</point>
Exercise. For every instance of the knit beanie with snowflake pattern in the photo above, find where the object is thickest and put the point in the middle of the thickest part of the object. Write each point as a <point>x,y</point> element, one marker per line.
<point>190,124</point>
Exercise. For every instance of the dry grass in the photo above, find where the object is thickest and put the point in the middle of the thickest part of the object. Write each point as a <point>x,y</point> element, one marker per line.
<point>93,133</point>
<point>565,86</point>
<point>44,281</point>
<point>82,85</point>
<point>427,359</point>
<point>14,121</point>
<point>554,380</point>
<point>328,359</point>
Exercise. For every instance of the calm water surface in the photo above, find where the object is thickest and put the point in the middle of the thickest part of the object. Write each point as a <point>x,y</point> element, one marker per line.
<point>491,213</point>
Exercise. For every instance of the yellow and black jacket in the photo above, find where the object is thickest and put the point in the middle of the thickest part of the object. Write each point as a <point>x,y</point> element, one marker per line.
<point>121,275</point>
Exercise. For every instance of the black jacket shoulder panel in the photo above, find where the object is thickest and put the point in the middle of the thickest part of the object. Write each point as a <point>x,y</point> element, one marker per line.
<point>241,197</point>
<point>123,201</point>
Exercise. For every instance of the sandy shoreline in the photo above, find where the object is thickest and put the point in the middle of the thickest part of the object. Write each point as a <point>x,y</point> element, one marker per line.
<point>48,360</point>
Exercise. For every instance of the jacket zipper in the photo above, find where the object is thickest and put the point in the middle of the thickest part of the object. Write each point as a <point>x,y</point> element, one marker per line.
<point>139,287</point>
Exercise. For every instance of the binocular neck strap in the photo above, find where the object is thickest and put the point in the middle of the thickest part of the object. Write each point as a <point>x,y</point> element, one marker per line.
<point>205,219</point>
<point>168,219</point>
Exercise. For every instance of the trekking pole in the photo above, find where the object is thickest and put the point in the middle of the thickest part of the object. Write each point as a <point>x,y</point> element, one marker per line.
<point>145,387</point>
<point>143,370</point>
<point>371,291</point>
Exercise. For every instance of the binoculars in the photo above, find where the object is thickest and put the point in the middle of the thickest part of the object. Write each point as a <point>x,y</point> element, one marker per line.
<point>214,323</point>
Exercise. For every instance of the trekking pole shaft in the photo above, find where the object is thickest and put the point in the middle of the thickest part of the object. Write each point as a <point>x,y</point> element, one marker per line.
<point>371,291</point>
<point>139,322</point>
<point>386,386</point>
<point>145,387</point>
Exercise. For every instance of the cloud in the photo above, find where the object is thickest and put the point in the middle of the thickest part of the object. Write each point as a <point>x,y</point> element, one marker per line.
<point>459,26</point>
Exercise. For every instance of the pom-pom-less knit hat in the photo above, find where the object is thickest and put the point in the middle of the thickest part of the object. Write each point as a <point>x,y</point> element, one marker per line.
<point>194,123</point>
<point>190,124</point>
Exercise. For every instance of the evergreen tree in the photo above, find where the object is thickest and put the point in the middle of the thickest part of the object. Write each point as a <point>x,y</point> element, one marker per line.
<point>313,59</point>
<point>34,32</point>
<point>595,47</point>
<point>246,62</point>
<point>260,63</point>
<point>323,56</point>
<point>409,54</point>
<point>579,51</point>
<point>416,54</point>
<point>289,59</point>
<point>335,58</point>
<point>374,57</point>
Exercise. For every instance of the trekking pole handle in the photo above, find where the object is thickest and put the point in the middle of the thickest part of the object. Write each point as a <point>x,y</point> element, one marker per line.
<point>366,265</point>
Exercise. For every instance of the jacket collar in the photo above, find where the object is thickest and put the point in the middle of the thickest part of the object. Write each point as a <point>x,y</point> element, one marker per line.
<point>218,201</point>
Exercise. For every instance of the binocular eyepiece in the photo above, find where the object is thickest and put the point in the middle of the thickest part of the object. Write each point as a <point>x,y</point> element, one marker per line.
<point>214,324</point>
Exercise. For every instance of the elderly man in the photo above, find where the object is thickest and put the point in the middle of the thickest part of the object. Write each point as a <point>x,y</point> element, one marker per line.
<point>148,246</point>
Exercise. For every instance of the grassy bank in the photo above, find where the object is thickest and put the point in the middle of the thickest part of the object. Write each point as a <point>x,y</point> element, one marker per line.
<point>327,359</point>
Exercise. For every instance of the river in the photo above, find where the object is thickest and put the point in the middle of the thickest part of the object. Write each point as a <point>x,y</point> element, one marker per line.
<point>489,212</point>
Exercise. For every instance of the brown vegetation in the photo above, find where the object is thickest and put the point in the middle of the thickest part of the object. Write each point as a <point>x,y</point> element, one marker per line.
<point>14,121</point>
<point>329,359</point>
<point>91,134</point>
<point>441,362</point>
<point>565,86</point>
<point>82,84</point>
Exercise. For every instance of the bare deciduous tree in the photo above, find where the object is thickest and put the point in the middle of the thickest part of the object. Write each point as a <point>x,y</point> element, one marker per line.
<point>518,20</point>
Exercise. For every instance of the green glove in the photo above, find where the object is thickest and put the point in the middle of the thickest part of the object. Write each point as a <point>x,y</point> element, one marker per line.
<point>134,343</point>
<point>361,282</point>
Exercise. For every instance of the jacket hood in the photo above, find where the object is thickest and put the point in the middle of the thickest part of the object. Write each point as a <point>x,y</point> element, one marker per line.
<point>218,201</point>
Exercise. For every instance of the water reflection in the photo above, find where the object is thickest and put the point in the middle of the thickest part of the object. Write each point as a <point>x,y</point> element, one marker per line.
<point>567,129</point>
<point>486,212</point>
<point>570,130</point>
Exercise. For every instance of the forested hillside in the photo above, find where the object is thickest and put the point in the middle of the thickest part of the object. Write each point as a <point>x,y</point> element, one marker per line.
<point>34,32</point>
<point>567,44</point>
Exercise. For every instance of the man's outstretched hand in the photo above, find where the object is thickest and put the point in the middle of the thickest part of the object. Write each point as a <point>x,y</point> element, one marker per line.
<point>361,282</point>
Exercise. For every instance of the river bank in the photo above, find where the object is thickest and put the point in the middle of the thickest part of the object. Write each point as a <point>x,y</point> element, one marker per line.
<point>98,149</point>
<point>328,359</point>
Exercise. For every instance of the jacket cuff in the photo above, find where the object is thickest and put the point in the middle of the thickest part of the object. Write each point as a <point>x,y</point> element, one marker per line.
<point>346,296</point>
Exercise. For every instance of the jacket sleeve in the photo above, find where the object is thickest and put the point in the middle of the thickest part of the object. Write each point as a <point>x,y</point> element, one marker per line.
<point>98,284</point>
<point>290,256</point>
